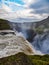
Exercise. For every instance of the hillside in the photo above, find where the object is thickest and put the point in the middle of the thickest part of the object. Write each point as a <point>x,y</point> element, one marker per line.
<point>18,59</point>
<point>42,26</point>
<point>23,59</point>
<point>39,60</point>
<point>4,24</point>
<point>44,23</point>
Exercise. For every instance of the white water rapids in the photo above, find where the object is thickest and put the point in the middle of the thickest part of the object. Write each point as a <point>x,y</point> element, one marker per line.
<point>11,44</point>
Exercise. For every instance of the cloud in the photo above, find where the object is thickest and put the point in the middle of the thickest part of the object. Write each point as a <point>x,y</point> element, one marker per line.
<point>6,8</point>
<point>29,2</point>
<point>11,6</point>
<point>19,13</point>
<point>30,11</point>
<point>42,6</point>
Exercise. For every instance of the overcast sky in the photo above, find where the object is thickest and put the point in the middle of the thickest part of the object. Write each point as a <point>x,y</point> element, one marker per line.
<point>24,10</point>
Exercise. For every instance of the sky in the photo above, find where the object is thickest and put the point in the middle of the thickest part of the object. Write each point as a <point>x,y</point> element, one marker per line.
<point>24,10</point>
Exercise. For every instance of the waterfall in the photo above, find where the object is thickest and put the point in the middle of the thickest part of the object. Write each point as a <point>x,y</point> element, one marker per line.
<point>41,42</point>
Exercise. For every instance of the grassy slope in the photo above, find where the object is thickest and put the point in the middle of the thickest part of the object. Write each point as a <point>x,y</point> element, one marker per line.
<point>4,24</point>
<point>22,59</point>
<point>18,59</point>
<point>39,60</point>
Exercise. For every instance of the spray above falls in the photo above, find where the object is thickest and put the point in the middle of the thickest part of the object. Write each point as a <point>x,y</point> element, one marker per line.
<point>37,33</point>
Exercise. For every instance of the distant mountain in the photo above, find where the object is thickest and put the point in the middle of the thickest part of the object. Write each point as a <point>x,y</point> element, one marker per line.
<point>30,25</point>
<point>44,23</point>
<point>4,24</point>
<point>42,26</point>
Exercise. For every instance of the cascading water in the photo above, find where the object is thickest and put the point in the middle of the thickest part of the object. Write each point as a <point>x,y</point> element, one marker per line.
<point>41,42</point>
<point>14,42</point>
